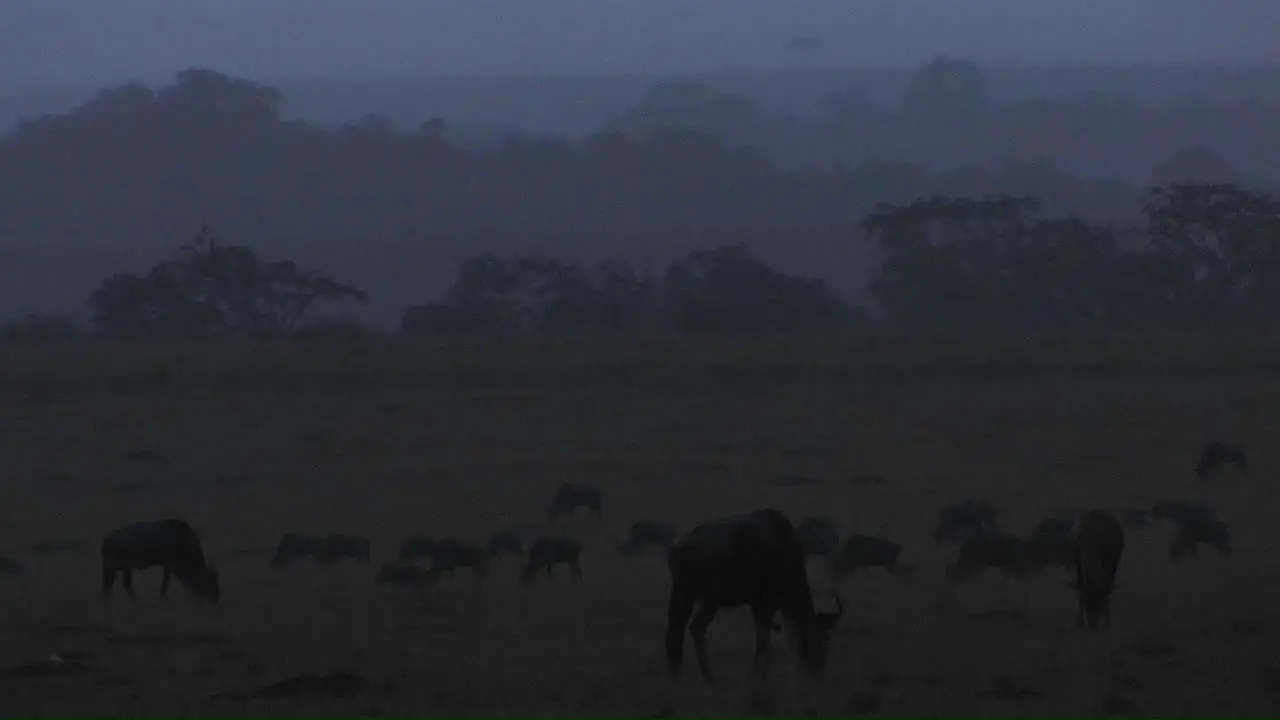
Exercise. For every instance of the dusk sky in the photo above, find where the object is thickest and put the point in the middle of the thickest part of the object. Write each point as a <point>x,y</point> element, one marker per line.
<point>149,39</point>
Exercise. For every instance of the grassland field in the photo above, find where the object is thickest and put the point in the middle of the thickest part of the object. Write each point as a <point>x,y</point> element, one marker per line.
<point>250,443</point>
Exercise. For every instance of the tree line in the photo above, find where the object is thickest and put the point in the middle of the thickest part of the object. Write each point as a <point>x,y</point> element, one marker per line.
<point>1206,260</point>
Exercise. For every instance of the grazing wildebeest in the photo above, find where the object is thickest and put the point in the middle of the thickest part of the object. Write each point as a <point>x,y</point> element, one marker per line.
<point>645,533</point>
<point>990,549</point>
<point>1182,511</point>
<point>868,551</point>
<point>338,546</point>
<point>820,535</point>
<point>755,560</point>
<point>404,575</point>
<point>1049,548</point>
<point>570,496</point>
<point>414,547</point>
<point>450,554</point>
<point>1190,535</point>
<point>1217,454</point>
<point>505,542</point>
<point>550,550</point>
<point>1099,545</point>
<point>967,517</point>
<point>293,547</point>
<point>170,543</point>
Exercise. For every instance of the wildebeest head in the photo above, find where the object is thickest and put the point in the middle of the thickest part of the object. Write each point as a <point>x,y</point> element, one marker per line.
<point>203,583</point>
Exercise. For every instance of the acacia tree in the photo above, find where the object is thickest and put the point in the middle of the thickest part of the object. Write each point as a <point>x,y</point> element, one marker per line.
<point>211,288</point>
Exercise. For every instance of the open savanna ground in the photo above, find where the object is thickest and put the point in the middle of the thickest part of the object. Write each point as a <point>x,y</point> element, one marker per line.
<point>248,445</point>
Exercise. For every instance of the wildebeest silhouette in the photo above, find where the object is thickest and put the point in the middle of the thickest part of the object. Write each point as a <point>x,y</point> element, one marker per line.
<point>1136,517</point>
<point>1190,535</point>
<point>550,550</point>
<point>570,496</point>
<point>648,533</point>
<point>867,551</point>
<point>1099,545</point>
<point>1218,454</point>
<point>963,518</point>
<point>414,547</point>
<point>450,554</point>
<point>505,542</point>
<point>404,576</point>
<point>294,547</point>
<point>170,543</point>
<point>756,560</point>
<point>990,549</point>
<point>1056,525</point>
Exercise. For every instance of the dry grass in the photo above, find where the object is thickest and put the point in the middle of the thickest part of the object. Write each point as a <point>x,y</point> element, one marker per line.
<point>463,441</point>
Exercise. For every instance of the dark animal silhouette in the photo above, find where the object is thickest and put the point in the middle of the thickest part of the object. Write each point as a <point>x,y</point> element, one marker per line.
<point>755,560</point>
<point>867,551</point>
<point>405,576</point>
<point>648,533</point>
<point>1218,454</point>
<point>414,547</point>
<point>991,549</point>
<point>571,496</point>
<point>450,554</point>
<point>1057,525</point>
<point>1190,535</point>
<point>550,550</point>
<point>294,547</point>
<point>967,517</point>
<point>1045,549</point>
<point>505,542</point>
<point>1099,545</point>
<point>170,543</point>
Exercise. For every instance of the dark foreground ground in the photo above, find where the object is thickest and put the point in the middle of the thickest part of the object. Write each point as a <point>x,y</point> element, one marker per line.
<point>248,446</point>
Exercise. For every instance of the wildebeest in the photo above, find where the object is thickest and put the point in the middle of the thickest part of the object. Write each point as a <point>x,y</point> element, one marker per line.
<point>1049,548</point>
<point>450,554</point>
<point>338,546</point>
<point>1056,525</point>
<point>405,575</point>
<point>1190,535</point>
<point>170,543</point>
<point>570,496</point>
<point>1217,454</point>
<point>755,560</point>
<point>820,535</point>
<point>646,533</point>
<point>1099,545</point>
<point>293,547</point>
<point>967,517</point>
<point>505,542</point>
<point>550,550</point>
<point>868,551</point>
<point>990,549</point>
<point>1183,511</point>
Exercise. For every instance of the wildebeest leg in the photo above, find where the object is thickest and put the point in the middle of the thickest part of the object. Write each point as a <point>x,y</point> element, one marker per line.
<point>698,629</point>
<point>679,608</point>
<point>575,571</point>
<point>764,625</point>
<point>126,579</point>
<point>164,583</point>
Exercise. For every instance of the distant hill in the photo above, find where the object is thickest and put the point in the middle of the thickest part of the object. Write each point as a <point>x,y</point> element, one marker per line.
<point>577,104</point>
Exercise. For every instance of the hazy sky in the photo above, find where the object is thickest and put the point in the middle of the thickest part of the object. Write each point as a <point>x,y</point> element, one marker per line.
<point>150,39</point>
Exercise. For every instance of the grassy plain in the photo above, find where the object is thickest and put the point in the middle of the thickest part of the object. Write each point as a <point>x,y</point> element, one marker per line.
<point>248,444</point>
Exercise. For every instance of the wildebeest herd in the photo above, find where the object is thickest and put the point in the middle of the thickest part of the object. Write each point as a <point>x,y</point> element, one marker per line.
<point>757,559</point>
